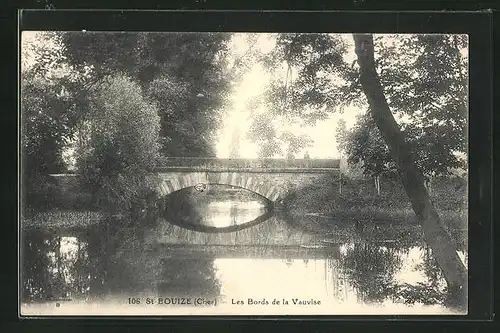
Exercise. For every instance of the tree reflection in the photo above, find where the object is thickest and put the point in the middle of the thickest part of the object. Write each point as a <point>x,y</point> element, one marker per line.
<point>54,267</point>
<point>131,265</point>
<point>185,206</point>
<point>102,262</point>
<point>371,270</point>
<point>434,291</point>
<point>188,277</point>
<point>36,280</point>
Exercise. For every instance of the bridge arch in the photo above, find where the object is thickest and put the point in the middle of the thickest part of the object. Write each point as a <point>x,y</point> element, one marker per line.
<point>254,182</point>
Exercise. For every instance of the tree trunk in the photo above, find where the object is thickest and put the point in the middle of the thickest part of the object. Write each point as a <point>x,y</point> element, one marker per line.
<point>377,184</point>
<point>340,176</point>
<point>441,243</point>
<point>429,185</point>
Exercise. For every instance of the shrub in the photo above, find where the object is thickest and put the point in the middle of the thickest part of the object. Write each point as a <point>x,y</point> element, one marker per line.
<point>122,146</point>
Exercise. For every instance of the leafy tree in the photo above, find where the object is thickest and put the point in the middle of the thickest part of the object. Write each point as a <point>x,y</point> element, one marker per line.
<point>264,133</point>
<point>44,124</point>
<point>436,235</point>
<point>365,145</point>
<point>123,143</point>
<point>296,93</point>
<point>317,77</point>
<point>326,82</point>
<point>435,128</point>
<point>341,135</point>
<point>234,146</point>
<point>295,143</point>
<point>425,79</point>
<point>271,139</point>
<point>50,108</point>
<point>185,73</point>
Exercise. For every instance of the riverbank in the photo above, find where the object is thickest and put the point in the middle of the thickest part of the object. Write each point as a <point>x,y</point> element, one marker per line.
<point>359,205</point>
<point>61,219</point>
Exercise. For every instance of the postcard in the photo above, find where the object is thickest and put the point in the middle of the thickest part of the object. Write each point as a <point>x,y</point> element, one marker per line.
<point>219,173</point>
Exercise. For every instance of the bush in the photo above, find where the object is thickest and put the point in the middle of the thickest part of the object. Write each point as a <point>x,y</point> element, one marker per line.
<point>123,145</point>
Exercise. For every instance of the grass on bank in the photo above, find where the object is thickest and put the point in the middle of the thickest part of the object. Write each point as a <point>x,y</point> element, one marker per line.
<point>56,219</point>
<point>358,204</point>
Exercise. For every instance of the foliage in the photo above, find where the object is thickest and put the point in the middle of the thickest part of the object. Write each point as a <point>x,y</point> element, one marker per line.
<point>123,143</point>
<point>363,144</point>
<point>271,138</point>
<point>295,143</point>
<point>185,73</point>
<point>302,89</point>
<point>52,102</point>
<point>264,133</point>
<point>341,135</point>
<point>48,111</point>
<point>424,78</point>
<point>188,117</point>
<point>45,124</point>
<point>46,127</point>
<point>317,78</point>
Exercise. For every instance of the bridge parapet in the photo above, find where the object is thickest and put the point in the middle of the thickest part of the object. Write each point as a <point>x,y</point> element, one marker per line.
<point>268,165</point>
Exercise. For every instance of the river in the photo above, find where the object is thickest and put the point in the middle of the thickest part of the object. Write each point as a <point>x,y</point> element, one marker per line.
<point>222,251</point>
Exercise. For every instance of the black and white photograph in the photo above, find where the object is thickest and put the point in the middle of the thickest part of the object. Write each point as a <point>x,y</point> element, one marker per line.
<point>243,173</point>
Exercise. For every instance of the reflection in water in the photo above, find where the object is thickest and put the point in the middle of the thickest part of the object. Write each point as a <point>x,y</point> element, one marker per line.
<point>188,277</point>
<point>221,214</point>
<point>219,207</point>
<point>99,263</point>
<point>59,268</point>
<point>371,269</point>
<point>54,267</point>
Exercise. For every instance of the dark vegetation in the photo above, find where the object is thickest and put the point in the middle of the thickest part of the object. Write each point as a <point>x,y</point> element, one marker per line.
<point>360,205</point>
<point>120,101</point>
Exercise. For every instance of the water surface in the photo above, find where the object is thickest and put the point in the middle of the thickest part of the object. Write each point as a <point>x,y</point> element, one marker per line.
<point>273,260</point>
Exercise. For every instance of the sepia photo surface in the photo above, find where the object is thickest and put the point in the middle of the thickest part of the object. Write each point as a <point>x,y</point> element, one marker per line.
<point>243,173</point>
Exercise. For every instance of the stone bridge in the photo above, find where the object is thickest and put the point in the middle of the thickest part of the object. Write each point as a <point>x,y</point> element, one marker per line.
<point>273,179</point>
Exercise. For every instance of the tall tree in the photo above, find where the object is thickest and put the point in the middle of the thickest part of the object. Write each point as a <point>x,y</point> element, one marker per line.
<point>341,136</point>
<point>185,73</point>
<point>50,108</point>
<point>429,96</point>
<point>263,132</point>
<point>436,235</point>
<point>364,144</point>
<point>327,80</point>
<point>234,145</point>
